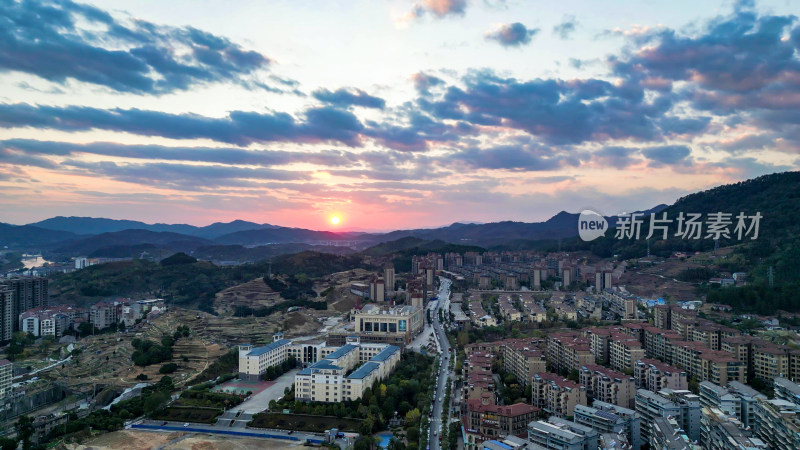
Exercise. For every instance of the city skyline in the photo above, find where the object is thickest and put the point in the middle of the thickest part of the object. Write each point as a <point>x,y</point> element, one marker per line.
<point>388,115</point>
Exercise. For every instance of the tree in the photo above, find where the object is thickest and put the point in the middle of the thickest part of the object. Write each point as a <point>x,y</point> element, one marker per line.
<point>24,428</point>
<point>412,417</point>
<point>7,444</point>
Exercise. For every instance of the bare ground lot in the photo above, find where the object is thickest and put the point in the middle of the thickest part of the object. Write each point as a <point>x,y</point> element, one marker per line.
<point>145,440</point>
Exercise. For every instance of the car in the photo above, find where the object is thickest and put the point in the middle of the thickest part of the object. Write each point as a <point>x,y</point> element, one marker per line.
<point>290,432</point>
<point>186,425</point>
<point>435,432</point>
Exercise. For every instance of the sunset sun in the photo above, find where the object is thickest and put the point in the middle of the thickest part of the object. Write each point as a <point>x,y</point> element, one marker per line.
<point>335,220</point>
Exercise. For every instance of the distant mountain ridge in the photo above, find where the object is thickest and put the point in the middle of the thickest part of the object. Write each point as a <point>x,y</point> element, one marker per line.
<point>92,225</point>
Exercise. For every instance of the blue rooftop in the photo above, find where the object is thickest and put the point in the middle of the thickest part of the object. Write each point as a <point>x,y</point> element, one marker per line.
<point>324,364</point>
<point>364,370</point>
<point>385,353</point>
<point>500,444</point>
<point>261,350</point>
<point>343,350</point>
<point>306,371</point>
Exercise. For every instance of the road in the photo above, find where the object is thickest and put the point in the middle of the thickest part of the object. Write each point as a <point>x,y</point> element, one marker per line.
<point>444,375</point>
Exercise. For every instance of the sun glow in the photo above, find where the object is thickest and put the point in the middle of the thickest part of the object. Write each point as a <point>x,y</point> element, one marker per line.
<point>335,220</point>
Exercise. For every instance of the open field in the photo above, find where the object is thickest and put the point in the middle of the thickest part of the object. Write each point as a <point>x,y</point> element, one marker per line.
<point>145,440</point>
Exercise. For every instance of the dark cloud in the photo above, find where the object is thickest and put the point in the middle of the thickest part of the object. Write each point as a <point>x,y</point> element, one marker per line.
<point>423,82</point>
<point>182,176</point>
<point>566,27</point>
<point>558,111</point>
<point>512,34</point>
<point>190,154</point>
<point>349,97</point>
<point>52,41</point>
<point>322,124</point>
<point>510,157</point>
<point>738,62</point>
<point>667,154</point>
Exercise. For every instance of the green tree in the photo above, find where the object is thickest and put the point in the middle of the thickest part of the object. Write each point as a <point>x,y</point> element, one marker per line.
<point>24,429</point>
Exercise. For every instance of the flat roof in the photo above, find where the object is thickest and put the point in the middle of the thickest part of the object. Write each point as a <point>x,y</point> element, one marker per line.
<point>343,350</point>
<point>366,369</point>
<point>269,347</point>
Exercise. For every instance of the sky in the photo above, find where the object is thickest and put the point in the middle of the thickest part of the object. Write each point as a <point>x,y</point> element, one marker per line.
<point>388,114</point>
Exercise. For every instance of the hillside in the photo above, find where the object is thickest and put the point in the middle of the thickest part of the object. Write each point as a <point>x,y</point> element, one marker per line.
<point>30,237</point>
<point>129,238</point>
<point>99,225</point>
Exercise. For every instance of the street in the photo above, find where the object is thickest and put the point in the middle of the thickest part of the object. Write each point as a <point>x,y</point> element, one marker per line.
<point>440,415</point>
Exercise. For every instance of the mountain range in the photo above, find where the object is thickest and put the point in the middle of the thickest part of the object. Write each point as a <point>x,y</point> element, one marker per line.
<point>82,236</point>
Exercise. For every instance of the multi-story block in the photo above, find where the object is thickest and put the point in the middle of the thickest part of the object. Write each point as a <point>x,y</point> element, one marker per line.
<point>607,418</point>
<point>624,351</point>
<point>654,375</point>
<point>568,351</point>
<point>6,374</point>
<point>777,422</point>
<point>683,406</point>
<point>721,431</point>
<point>521,358</point>
<point>328,381</point>
<point>787,390</point>
<point>737,400</point>
<point>560,434</point>
<point>390,325</point>
<point>666,434</point>
<point>556,395</point>
<point>607,385</point>
<point>488,421</point>
<point>104,314</point>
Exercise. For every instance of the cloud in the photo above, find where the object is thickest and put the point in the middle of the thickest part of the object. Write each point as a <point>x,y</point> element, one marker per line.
<point>423,82</point>
<point>512,34</point>
<point>616,157</point>
<point>322,124</point>
<point>667,154</point>
<point>64,41</point>
<point>510,157</point>
<point>566,27</point>
<point>349,97</point>
<point>558,111</point>
<point>220,155</point>
<point>438,8</point>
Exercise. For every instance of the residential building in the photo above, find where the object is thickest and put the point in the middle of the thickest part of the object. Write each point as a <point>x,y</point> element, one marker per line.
<point>556,395</point>
<point>607,418</point>
<point>777,423</point>
<point>561,434</point>
<point>104,314</point>
<point>737,400</point>
<point>654,375</point>
<point>607,385</point>
<point>681,405</point>
<point>486,421</point>
<point>29,293</point>
<point>7,318</point>
<point>721,431</point>
<point>6,374</point>
<point>666,434</point>
<point>787,390</point>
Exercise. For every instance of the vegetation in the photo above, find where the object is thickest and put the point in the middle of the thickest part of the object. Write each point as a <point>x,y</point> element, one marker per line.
<point>274,372</point>
<point>696,274</point>
<point>148,352</point>
<point>191,284</point>
<point>168,368</point>
<point>303,422</point>
<point>152,399</point>
<point>178,259</point>
<point>227,364</point>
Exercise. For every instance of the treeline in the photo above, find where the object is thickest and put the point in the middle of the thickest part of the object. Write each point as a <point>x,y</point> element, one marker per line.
<point>246,311</point>
<point>696,274</point>
<point>759,299</point>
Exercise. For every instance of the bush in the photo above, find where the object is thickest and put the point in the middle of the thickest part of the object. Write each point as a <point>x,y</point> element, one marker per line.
<point>168,368</point>
<point>141,377</point>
